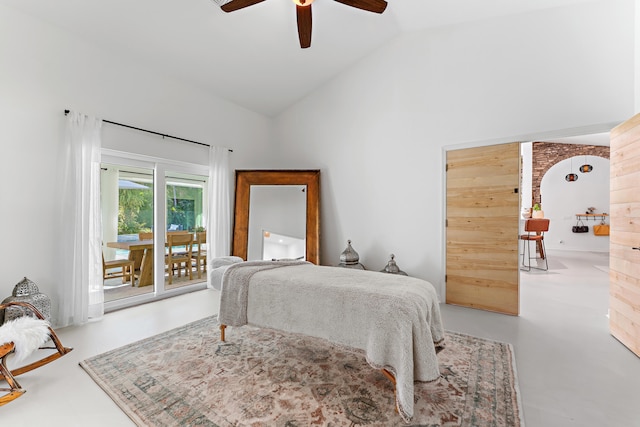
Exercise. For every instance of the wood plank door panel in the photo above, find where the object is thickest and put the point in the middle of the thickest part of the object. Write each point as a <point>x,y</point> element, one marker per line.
<point>624,261</point>
<point>483,208</point>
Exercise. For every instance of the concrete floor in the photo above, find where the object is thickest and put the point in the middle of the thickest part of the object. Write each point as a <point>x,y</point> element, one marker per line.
<point>571,371</point>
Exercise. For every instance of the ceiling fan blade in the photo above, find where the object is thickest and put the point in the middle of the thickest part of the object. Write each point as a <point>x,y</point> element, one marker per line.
<point>376,6</point>
<point>238,4</point>
<point>304,25</point>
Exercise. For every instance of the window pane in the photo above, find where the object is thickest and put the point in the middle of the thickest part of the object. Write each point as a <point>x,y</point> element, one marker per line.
<point>186,213</point>
<point>127,221</point>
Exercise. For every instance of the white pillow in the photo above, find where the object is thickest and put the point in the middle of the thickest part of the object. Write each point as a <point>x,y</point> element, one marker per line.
<point>224,260</point>
<point>217,267</point>
<point>215,277</point>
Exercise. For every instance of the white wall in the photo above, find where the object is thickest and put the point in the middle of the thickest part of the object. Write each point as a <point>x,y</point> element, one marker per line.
<point>377,131</point>
<point>46,70</point>
<point>562,200</point>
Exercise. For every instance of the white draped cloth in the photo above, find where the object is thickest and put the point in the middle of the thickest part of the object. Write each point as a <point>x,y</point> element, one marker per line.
<point>80,290</point>
<point>219,219</point>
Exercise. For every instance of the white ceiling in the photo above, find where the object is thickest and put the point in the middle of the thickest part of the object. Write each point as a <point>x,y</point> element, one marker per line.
<point>252,56</point>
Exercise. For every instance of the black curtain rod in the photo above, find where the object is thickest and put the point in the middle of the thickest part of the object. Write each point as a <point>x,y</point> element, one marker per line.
<point>153,132</point>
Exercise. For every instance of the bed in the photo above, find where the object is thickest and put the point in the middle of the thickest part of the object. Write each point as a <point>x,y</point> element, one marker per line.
<point>394,319</point>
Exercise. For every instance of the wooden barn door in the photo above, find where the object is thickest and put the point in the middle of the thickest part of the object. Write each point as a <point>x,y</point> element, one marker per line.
<point>624,257</point>
<point>482,226</point>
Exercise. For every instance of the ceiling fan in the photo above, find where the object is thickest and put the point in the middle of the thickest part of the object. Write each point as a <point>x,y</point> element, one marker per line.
<point>303,12</point>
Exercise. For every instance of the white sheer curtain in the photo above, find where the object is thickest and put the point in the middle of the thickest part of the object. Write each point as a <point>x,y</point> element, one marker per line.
<point>219,223</point>
<point>80,293</point>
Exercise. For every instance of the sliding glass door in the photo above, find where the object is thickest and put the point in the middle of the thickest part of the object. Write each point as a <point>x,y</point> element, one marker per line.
<point>185,196</point>
<point>127,224</point>
<point>144,205</point>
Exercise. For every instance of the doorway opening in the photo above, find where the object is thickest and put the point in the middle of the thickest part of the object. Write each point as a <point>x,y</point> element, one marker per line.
<point>568,180</point>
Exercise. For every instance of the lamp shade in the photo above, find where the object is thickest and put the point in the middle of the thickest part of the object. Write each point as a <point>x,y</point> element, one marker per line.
<point>586,167</point>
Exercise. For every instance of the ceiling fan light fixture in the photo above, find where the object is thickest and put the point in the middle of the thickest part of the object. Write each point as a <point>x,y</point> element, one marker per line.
<point>303,12</point>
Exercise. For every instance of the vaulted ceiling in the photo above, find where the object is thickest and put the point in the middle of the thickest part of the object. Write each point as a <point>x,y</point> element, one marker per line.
<point>252,56</point>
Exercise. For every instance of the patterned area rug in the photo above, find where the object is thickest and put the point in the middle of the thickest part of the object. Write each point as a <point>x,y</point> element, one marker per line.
<point>261,377</point>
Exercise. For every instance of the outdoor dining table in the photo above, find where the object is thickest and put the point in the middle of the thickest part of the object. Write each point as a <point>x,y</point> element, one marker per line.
<point>141,253</point>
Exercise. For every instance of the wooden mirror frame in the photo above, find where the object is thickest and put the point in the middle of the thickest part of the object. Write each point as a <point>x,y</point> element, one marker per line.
<point>246,178</point>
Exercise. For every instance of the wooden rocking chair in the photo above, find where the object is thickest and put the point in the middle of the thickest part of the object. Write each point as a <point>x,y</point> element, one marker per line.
<point>14,390</point>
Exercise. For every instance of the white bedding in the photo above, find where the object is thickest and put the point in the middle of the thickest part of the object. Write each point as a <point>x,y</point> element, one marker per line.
<point>217,267</point>
<point>394,319</point>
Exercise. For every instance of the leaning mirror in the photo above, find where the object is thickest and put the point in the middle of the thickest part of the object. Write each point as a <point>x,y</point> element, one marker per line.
<point>277,215</point>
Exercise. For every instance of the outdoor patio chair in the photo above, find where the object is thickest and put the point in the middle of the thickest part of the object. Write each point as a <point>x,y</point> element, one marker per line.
<point>200,257</point>
<point>126,267</point>
<point>144,235</point>
<point>180,247</point>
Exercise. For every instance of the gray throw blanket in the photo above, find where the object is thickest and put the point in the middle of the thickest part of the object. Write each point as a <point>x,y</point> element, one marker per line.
<point>394,319</point>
